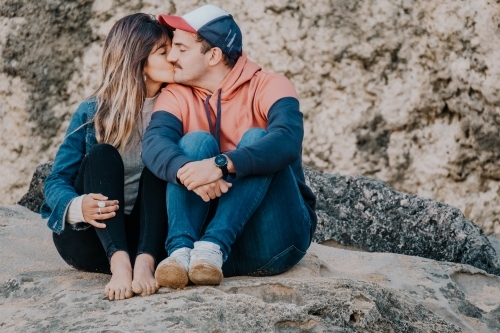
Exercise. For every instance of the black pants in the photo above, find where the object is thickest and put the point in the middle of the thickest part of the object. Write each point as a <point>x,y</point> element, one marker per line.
<point>143,231</point>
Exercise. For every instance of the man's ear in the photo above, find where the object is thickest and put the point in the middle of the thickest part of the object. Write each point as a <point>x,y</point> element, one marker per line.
<point>215,56</point>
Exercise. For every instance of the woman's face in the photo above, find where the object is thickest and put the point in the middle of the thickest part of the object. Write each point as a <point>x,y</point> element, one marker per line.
<point>158,69</point>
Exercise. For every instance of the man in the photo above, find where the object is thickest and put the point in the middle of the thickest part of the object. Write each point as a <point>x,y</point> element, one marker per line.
<point>228,139</point>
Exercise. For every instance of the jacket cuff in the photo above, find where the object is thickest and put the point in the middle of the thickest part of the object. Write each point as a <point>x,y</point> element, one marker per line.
<point>74,211</point>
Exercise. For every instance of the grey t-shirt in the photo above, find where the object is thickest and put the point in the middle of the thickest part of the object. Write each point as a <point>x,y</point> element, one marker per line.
<point>131,157</point>
<point>132,162</point>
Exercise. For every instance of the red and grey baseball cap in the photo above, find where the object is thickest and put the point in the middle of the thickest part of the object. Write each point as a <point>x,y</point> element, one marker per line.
<point>211,23</point>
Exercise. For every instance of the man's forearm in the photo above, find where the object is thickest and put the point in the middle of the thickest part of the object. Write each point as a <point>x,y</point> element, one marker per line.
<point>160,152</point>
<point>230,165</point>
<point>281,146</point>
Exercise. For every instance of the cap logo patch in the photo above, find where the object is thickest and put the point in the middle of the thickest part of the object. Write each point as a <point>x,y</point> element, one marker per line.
<point>232,40</point>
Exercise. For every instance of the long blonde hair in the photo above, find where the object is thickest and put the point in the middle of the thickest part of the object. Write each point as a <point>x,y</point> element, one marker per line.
<point>122,91</point>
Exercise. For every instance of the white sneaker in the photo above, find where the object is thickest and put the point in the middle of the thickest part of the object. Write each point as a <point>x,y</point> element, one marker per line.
<point>205,267</point>
<point>173,271</point>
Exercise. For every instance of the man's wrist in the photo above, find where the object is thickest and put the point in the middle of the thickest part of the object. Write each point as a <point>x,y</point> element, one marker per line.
<point>221,162</point>
<point>230,165</point>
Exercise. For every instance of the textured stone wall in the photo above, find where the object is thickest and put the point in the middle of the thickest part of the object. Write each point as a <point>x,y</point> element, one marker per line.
<point>399,90</point>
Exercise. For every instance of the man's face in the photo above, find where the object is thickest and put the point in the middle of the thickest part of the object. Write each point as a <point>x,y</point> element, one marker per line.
<point>190,65</point>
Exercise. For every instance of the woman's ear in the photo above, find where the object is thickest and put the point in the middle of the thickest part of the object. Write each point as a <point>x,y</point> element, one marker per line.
<point>215,56</point>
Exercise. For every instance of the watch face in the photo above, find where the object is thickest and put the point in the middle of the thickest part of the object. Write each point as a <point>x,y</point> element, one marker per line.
<point>220,160</point>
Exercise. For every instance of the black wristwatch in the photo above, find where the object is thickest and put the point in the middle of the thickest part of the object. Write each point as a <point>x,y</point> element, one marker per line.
<point>221,163</point>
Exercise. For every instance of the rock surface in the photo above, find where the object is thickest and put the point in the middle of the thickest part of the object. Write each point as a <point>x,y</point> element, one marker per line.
<point>330,290</point>
<point>368,214</point>
<point>34,198</point>
<point>398,90</point>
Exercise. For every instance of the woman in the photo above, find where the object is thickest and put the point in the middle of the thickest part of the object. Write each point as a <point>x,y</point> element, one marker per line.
<point>107,211</point>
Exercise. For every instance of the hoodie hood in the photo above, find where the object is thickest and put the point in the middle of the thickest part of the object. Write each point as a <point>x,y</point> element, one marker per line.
<point>243,71</point>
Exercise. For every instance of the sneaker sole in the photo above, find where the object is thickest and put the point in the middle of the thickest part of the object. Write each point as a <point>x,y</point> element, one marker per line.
<point>172,275</point>
<point>205,274</point>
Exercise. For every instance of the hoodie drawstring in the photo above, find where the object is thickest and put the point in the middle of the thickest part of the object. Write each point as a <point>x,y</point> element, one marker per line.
<point>216,133</point>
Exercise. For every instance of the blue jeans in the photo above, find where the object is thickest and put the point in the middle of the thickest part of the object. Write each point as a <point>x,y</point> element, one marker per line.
<point>261,224</point>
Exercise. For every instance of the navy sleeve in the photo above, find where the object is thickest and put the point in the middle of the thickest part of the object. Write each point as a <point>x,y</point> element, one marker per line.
<point>280,147</point>
<point>160,150</point>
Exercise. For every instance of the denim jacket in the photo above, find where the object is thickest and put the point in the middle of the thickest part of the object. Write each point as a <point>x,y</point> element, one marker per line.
<point>59,185</point>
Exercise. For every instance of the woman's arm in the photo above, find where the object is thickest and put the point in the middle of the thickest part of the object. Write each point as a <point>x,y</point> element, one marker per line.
<point>59,190</point>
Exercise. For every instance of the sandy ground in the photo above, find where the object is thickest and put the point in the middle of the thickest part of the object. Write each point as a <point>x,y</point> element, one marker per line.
<point>40,293</point>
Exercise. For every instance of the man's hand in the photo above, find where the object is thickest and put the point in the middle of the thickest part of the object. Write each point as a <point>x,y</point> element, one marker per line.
<point>212,190</point>
<point>195,174</point>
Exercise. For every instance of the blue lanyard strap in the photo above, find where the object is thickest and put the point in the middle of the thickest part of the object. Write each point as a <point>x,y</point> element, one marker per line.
<point>216,133</point>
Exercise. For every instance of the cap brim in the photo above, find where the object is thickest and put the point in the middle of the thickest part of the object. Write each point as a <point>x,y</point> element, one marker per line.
<point>175,22</point>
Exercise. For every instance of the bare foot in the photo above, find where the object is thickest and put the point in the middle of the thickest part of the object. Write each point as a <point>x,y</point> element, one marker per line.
<point>120,285</point>
<point>144,282</point>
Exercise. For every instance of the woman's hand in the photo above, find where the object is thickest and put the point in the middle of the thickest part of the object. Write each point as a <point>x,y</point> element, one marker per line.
<point>90,209</point>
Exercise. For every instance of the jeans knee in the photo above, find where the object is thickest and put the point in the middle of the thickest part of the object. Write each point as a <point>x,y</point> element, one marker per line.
<point>199,145</point>
<point>252,135</point>
<point>103,149</point>
<point>104,154</point>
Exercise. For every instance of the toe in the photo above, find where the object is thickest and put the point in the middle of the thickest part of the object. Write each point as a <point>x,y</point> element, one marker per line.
<point>120,294</point>
<point>111,294</point>
<point>144,290</point>
<point>137,288</point>
<point>154,287</point>
<point>128,292</point>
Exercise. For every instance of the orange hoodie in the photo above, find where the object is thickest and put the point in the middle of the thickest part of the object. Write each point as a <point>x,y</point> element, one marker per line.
<point>249,97</point>
<point>245,98</point>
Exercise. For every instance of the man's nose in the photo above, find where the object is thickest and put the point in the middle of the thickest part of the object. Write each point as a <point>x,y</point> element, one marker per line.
<point>172,57</point>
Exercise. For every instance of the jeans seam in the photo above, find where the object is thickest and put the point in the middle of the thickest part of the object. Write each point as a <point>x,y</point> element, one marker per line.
<point>305,211</point>
<point>272,260</point>
<point>266,186</point>
<point>198,236</point>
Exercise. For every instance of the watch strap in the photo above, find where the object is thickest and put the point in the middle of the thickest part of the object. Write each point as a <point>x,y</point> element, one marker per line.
<point>225,171</point>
